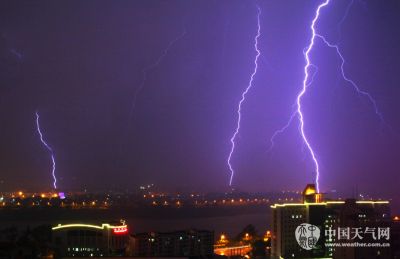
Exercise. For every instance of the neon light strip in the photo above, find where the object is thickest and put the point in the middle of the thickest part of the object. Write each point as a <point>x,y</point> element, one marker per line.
<point>120,231</point>
<point>232,247</point>
<point>103,226</point>
<point>372,202</point>
<point>326,203</point>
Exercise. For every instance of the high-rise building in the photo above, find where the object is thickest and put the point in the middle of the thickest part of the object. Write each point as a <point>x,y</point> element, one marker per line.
<point>324,219</point>
<point>395,237</point>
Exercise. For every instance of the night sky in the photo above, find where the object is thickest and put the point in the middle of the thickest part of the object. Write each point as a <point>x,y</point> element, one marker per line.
<point>79,64</point>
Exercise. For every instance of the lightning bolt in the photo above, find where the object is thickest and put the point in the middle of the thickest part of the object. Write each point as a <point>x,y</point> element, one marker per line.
<point>142,84</point>
<point>304,89</point>
<point>307,82</point>
<point>48,148</point>
<point>151,67</point>
<point>348,80</point>
<point>292,116</point>
<point>249,86</point>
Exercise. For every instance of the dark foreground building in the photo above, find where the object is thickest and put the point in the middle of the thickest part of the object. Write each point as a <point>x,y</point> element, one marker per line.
<point>191,243</point>
<point>88,240</point>
<point>395,237</point>
<point>338,224</point>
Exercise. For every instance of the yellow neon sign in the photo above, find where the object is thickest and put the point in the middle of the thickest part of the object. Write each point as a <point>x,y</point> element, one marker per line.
<point>325,203</point>
<point>103,226</point>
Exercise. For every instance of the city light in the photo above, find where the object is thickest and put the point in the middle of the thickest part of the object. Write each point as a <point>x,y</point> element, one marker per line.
<point>120,230</point>
<point>325,203</point>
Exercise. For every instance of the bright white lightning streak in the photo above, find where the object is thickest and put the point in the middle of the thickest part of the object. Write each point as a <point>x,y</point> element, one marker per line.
<point>306,84</point>
<point>304,89</point>
<point>49,149</point>
<point>249,86</point>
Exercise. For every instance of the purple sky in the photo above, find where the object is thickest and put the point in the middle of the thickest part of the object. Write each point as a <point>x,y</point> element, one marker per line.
<point>80,63</point>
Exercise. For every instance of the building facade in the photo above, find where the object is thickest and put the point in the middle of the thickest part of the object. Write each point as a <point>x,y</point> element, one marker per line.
<point>88,240</point>
<point>198,243</point>
<point>328,217</point>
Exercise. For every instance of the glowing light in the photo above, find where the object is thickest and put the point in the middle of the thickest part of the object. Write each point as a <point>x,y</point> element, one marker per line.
<point>61,195</point>
<point>309,191</point>
<point>249,86</point>
<point>306,204</point>
<point>325,203</point>
<point>102,226</point>
<point>49,149</point>
<point>318,197</point>
<point>233,250</point>
<point>120,230</point>
<point>372,202</point>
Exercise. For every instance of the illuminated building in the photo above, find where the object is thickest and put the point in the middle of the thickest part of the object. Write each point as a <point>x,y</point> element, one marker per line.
<point>83,240</point>
<point>395,237</point>
<point>191,243</point>
<point>324,214</point>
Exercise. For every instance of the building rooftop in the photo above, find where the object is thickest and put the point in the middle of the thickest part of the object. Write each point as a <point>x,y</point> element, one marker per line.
<point>312,198</point>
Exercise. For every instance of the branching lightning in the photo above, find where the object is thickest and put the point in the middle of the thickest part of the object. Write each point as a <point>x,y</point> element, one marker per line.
<point>249,86</point>
<point>307,82</point>
<point>151,67</point>
<point>292,116</point>
<point>145,72</point>
<point>348,80</point>
<point>280,131</point>
<point>49,149</point>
